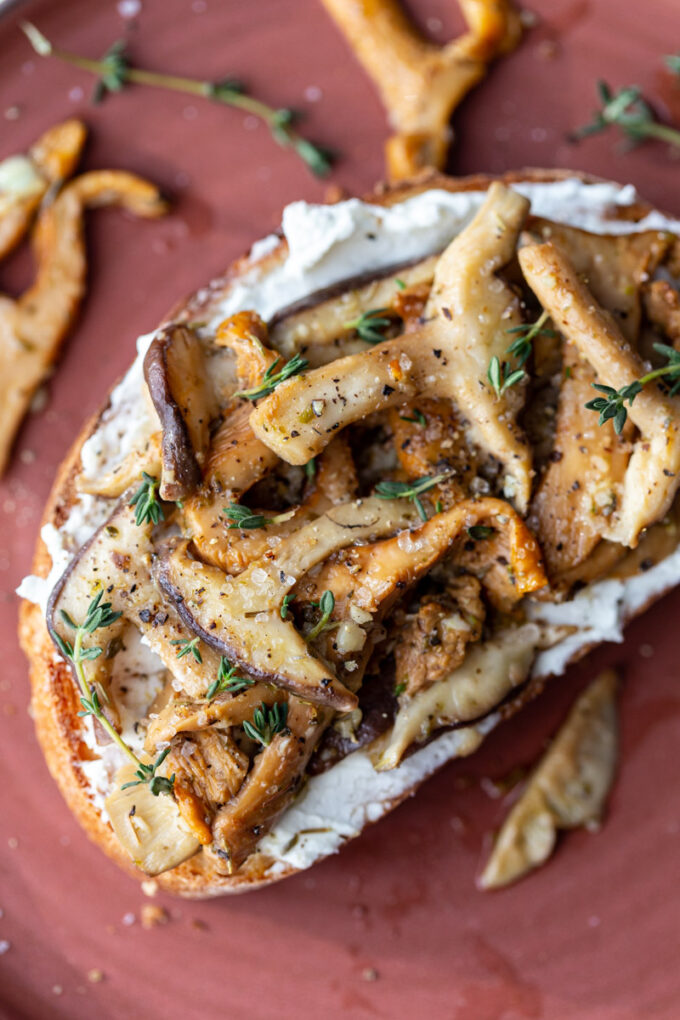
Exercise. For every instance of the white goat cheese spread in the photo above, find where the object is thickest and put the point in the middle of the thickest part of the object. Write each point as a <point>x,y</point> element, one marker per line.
<point>326,245</point>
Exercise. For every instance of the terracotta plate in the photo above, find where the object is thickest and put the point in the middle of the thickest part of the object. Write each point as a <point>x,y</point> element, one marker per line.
<point>393,927</point>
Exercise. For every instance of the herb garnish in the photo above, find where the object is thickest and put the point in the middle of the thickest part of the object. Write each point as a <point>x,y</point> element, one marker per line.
<point>612,404</point>
<point>409,490</point>
<point>326,604</point>
<point>243,517</point>
<point>147,774</point>
<point>502,376</point>
<point>271,379</point>
<point>145,500</point>
<point>310,469</point>
<point>399,689</point>
<point>521,346</point>
<point>370,326</point>
<point>418,418</point>
<point>627,110</point>
<point>267,722</point>
<point>285,606</point>
<point>115,70</point>
<point>99,616</point>
<point>673,63</point>
<point>227,681</point>
<point>188,647</point>
<point>400,283</point>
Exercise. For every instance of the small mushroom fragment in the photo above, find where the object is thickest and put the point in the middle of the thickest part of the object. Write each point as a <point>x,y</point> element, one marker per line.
<point>662,305</point>
<point>271,784</point>
<point>150,829</point>
<point>118,559</point>
<point>24,180</point>
<point>421,84</point>
<point>33,327</point>
<point>653,473</point>
<point>241,616</point>
<point>175,373</point>
<point>318,328</point>
<point>568,789</point>
<point>209,769</point>
<point>245,334</point>
<point>467,319</point>
<point>146,458</point>
<point>489,673</point>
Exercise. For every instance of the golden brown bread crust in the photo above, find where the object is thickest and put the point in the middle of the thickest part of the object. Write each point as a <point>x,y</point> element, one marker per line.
<point>54,699</point>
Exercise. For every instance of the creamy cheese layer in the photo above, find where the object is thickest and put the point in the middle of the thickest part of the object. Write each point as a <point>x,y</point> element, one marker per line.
<point>326,245</point>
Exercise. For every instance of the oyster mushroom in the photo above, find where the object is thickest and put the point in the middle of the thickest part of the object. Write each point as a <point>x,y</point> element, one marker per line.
<point>467,318</point>
<point>33,327</point>
<point>241,616</point>
<point>653,474</point>
<point>568,789</point>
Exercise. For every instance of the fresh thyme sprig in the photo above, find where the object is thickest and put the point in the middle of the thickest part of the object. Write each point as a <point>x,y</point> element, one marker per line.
<point>227,680</point>
<point>188,647</point>
<point>242,517</point>
<point>146,773</point>
<point>115,70</point>
<point>267,722</point>
<point>148,506</point>
<point>326,604</point>
<point>409,490</point>
<point>371,325</point>
<point>418,418</point>
<point>272,378</point>
<point>627,110</point>
<point>99,616</point>
<point>285,606</point>
<point>612,404</point>
<point>502,376</point>
<point>522,345</point>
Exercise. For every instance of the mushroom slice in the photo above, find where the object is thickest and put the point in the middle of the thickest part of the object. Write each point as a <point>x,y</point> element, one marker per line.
<point>583,484</point>
<point>662,305</point>
<point>271,785</point>
<point>568,789</point>
<point>33,327</point>
<point>467,319</point>
<point>113,484</point>
<point>24,180</point>
<point>150,829</point>
<point>179,386</point>
<point>118,559</point>
<point>489,673</point>
<point>653,473</point>
<point>321,325</point>
<point>614,267</point>
<point>209,769</point>
<point>184,716</point>
<point>421,84</point>
<point>241,616</point>
<point>245,334</point>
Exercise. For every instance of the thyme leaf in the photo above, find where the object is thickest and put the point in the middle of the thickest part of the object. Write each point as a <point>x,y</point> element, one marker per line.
<point>612,405</point>
<point>272,379</point>
<point>418,418</point>
<point>227,680</point>
<point>502,376</point>
<point>188,647</point>
<point>267,722</point>
<point>628,111</point>
<point>409,490</point>
<point>148,506</point>
<point>326,605</point>
<point>371,325</point>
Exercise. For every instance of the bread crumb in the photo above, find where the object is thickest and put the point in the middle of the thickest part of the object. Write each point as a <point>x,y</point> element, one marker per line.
<point>57,990</point>
<point>152,915</point>
<point>95,975</point>
<point>370,974</point>
<point>128,919</point>
<point>12,842</point>
<point>5,946</point>
<point>199,925</point>
<point>150,887</point>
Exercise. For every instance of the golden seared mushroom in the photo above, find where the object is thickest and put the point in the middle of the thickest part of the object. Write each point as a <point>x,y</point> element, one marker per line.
<point>433,641</point>
<point>568,789</point>
<point>178,383</point>
<point>272,783</point>
<point>420,83</point>
<point>33,327</point>
<point>653,473</point>
<point>117,560</point>
<point>583,483</point>
<point>144,459</point>
<point>241,616</point>
<point>25,180</point>
<point>467,319</point>
<point>662,305</point>
<point>489,673</point>
<point>326,327</point>
<point>225,710</point>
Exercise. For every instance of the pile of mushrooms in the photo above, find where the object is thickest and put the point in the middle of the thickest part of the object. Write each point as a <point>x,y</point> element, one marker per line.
<point>438,580</point>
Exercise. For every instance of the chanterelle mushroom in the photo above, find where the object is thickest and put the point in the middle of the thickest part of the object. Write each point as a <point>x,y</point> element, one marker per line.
<point>466,323</point>
<point>653,475</point>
